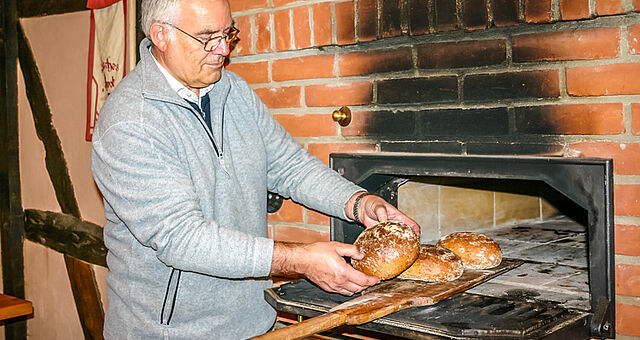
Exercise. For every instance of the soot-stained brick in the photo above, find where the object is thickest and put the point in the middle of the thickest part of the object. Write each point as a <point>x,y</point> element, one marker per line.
<point>367,20</point>
<point>505,12</point>
<point>418,90</point>
<point>418,17</point>
<point>517,85</point>
<point>461,54</point>
<point>461,122</point>
<point>383,124</point>
<point>570,119</point>
<point>452,147</point>
<point>474,148</point>
<point>445,15</point>
<point>474,15</point>
<point>391,18</point>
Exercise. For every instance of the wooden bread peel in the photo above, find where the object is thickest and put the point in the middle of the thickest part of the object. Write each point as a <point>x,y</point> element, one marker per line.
<point>385,298</point>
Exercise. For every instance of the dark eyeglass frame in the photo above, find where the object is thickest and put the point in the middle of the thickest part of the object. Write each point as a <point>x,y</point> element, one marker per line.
<point>213,42</point>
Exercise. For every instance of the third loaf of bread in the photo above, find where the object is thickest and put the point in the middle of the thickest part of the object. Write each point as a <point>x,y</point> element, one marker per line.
<point>477,251</point>
<point>389,248</point>
<point>435,264</point>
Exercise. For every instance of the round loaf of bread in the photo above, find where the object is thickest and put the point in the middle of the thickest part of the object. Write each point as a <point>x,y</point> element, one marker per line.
<point>477,251</point>
<point>434,264</point>
<point>389,248</point>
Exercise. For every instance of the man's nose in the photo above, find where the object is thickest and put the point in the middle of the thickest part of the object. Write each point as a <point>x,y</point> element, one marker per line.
<point>222,48</point>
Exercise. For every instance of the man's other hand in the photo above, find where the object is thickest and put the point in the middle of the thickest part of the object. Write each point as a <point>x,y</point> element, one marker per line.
<point>373,209</point>
<point>324,265</point>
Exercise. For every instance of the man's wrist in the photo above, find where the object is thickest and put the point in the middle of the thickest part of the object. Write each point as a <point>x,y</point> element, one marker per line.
<point>285,258</point>
<point>348,209</point>
<point>356,206</point>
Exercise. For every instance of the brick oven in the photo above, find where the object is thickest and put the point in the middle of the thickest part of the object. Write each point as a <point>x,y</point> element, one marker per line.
<point>516,78</point>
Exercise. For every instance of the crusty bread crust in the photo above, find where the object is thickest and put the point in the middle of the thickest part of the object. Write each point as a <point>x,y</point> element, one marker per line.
<point>389,248</point>
<point>434,264</point>
<point>477,251</point>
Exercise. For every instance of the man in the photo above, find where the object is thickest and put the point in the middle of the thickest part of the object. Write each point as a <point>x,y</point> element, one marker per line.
<point>184,153</point>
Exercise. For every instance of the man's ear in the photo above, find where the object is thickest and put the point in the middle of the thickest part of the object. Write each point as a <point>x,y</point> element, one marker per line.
<point>159,35</point>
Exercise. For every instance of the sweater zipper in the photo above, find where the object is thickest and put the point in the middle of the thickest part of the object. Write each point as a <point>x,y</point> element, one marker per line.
<point>220,153</point>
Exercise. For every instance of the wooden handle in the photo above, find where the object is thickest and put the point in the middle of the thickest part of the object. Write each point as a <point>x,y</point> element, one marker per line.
<point>307,327</point>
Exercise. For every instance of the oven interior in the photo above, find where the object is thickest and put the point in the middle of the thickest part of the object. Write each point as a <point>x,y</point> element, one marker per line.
<point>564,288</point>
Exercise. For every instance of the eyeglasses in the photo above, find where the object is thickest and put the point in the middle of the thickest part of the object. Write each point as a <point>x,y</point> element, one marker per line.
<point>213,42</point>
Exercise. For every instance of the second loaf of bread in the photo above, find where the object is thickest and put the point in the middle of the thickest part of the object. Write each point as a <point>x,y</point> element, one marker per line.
<point>435,264</point>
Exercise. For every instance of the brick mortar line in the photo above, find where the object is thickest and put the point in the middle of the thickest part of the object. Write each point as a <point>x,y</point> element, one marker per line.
<point>334,24</point>
<point>627,116</point>
<point>592,8</point>
<point>356,20</point>
<point>624,42</point>
<point>459,7</point>
<point>314,227</point>
<point>305,217</point>
<point>629,260</point>
<point>254,35</point>
<point>378,19</point>
<point>627,5</point>
<point>627,220</point>
<point>521,12</point>
<point>626,337</point>
<point>272,28</point>
<point>626,179</point>
<point>628,300</point>
<point>555,11</point>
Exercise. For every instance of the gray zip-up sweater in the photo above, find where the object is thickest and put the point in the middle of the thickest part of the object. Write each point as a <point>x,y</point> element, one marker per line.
<point>188,252</point>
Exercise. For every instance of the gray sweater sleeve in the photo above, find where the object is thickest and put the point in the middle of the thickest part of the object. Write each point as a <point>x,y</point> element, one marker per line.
<point>151,192</point>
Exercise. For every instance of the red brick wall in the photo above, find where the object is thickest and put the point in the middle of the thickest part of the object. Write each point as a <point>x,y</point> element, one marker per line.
<point>460,77</point>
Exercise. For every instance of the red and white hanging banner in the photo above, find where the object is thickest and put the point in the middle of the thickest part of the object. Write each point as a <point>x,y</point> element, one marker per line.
<point>108,44</point>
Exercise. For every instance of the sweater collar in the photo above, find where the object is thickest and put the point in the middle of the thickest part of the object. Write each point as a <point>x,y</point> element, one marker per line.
<point>156,86</point>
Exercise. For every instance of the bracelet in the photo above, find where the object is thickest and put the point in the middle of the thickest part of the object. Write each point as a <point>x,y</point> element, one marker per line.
<point>356,205</point>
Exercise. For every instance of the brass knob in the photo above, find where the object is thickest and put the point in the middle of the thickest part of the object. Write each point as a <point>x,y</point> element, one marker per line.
<point>342,116</point>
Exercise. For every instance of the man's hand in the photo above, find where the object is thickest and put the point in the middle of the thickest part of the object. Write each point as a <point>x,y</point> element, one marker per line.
<point>322,263</point>
<point>373,209</point>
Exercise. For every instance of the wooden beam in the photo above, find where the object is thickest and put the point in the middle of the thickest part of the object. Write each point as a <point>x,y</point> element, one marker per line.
<point>83,285</point>
<point>66,234</point>
<point>11,218</point>
<point>36,8</point>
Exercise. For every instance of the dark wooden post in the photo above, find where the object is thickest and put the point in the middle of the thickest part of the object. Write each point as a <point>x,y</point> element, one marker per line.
<point>81,275</point>
<point>11,214</point>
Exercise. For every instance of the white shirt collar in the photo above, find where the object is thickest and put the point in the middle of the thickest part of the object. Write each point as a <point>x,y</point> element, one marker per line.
<point>182,90</point>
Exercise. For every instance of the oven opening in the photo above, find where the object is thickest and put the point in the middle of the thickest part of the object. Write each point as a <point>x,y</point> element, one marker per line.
<point>553,214</point>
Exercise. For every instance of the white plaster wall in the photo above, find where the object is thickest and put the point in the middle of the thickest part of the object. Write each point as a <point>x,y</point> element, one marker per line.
<point>60,46</point>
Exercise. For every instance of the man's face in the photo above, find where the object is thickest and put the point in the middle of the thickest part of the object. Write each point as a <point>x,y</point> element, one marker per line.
<point>184,57</point>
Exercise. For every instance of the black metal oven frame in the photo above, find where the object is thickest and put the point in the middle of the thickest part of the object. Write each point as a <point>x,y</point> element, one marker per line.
<point>586,181</point>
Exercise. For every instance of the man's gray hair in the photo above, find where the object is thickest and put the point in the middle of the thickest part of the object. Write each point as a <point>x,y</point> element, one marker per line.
<point>157,10</point>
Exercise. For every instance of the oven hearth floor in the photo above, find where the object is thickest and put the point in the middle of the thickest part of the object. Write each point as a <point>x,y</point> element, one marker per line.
<point>555,270</point>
